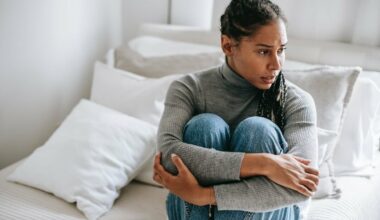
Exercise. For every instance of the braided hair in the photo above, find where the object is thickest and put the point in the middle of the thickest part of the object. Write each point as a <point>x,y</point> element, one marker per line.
<point>243,18</point>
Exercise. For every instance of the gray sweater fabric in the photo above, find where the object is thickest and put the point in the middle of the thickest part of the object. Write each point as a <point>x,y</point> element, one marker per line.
<point>223,92</point>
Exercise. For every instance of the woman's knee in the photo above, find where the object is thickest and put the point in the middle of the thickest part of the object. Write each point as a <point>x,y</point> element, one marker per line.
<point>258,123</point>
<point>258,135</point>
<point>207,130</point>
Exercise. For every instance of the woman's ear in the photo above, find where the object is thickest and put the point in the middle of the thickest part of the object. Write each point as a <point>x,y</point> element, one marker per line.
<point>227,45</point>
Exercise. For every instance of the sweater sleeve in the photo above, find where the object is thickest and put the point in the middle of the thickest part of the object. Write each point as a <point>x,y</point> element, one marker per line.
<point>207,165</point>
<point>259,194</point>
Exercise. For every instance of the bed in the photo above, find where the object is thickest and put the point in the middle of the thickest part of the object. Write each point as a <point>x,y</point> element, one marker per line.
<point>143,201</point>
<point>352,194</point>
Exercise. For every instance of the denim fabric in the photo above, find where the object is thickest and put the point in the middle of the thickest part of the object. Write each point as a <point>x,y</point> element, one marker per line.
<point>253,135</point>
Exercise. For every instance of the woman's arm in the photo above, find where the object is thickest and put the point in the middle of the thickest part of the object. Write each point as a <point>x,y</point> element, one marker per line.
<point>259,194</point>
<point>180,106</point>
<point>187,187</point>
<point>184,184</point>
<point>286,170</point>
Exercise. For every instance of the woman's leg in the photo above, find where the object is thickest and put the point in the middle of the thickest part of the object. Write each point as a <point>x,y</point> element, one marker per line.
<point>260,135</point>
<point>206,130</point>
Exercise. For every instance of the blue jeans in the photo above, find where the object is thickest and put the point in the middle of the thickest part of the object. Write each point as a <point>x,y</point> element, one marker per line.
<point>253,135</point>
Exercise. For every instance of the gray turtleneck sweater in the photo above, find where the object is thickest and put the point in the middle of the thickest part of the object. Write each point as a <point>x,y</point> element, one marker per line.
<point>221,91</point>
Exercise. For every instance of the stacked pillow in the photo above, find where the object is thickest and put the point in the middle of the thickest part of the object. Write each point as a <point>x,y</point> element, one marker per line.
<point>157,57</point>
<point>137,96</point>
<point>331,88</point>
<point>93,154</point>
<point>134,95</point>
<point>97,150</point>
<point>354,151</point>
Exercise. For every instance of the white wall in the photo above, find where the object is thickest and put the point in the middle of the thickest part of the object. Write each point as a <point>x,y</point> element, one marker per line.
<point>136,12</point>
<point>199,13</point>
<point>354,21</point>
<point>192,13</point>
<point>46,60</point>
<point>218,10</point>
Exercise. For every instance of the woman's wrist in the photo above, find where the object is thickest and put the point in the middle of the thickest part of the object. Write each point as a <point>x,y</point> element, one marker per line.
<point>255,164</point>
<point>211,195</point>
<point>207,196</point>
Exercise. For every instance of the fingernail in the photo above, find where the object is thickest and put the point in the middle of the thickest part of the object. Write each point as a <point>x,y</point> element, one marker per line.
<point>173,155</point>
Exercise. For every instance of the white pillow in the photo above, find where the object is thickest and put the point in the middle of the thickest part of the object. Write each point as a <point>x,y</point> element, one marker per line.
<point>297,65</point>
<point>134,95</point>
<point>129,93</point>
<point>149,46</point>
<point>361,127</point>
<point>327,186</point>
<point>183,33</point>
<point>375,77</point>
<point>146,174</point>
<point>157,57</point>
<point>89,158</point>
<point>355,150</point>
<point>325,139</point>
<point>331,87</point>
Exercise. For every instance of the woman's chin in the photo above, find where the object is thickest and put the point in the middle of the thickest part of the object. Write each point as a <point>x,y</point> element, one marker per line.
<point>263,86</point>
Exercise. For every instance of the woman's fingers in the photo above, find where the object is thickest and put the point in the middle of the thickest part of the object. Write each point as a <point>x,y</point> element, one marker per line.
<point>311,170</point>
<point>306,162</point>
<point>159,169</point>
<point>156,166</point>
<point>313,178</point>
<point>157,162</point>
<point>157,159</point>
<point>181,167</point>
<point>304,190</point>
<point>302,160</point>
<point>157,178</point>
<point>309,184</point>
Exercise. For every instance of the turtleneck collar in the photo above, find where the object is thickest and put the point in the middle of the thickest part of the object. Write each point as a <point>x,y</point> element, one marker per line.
<point>233,79</point>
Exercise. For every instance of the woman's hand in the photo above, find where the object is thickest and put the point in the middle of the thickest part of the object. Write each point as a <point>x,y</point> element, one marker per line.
<point>184,184</point>
<point>293,172</point>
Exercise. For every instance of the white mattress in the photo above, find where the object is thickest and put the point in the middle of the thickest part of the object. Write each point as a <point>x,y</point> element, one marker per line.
<point>360,200</point>
<point>137,202</point>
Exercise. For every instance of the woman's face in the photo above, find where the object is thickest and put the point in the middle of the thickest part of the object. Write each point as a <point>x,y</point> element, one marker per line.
<point>258,58</point>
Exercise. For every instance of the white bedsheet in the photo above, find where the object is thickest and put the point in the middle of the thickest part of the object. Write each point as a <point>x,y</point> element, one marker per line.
<point>360,200</point>
<point>137,202</point>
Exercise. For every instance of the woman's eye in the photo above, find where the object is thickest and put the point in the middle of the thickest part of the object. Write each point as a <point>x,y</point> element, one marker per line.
<point>282,50</point>
<point>263,52</point>
<point>267,52</point>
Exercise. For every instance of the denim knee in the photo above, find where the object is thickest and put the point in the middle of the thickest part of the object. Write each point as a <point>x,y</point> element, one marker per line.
<point>207,130</point>
<point>259,135</point>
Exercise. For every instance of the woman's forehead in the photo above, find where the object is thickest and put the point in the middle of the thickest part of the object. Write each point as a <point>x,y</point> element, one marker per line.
<point>273,33</point>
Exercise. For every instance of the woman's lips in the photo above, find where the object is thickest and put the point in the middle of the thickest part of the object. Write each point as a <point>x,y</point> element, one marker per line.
<point>268,80</point>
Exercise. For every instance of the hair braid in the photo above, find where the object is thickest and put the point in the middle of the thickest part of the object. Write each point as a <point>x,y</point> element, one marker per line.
<point>272,102</point>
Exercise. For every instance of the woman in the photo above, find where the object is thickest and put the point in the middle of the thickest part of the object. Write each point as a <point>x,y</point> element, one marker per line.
<point>238,141</point>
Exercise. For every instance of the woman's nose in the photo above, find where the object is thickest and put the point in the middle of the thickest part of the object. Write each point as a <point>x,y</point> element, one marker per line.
<point>275,62</point>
